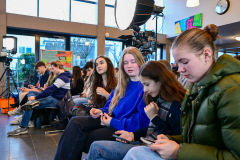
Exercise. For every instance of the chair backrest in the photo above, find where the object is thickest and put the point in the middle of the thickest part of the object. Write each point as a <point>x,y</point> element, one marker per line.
<point>65,105</point>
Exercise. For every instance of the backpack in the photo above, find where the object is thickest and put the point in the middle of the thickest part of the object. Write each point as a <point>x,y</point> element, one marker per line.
<point>65,105</point>
<point>82,109</point>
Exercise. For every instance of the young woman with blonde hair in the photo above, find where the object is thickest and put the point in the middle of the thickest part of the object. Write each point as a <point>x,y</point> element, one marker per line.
<point>124,110</point>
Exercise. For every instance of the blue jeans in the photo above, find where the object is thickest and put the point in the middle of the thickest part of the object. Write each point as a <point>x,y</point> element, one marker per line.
<point>80,100</point>
<point>141,152</point>
<point>78,136</point>
<point>108,150</point>
<point>32,93</point>
<point>47,102</point>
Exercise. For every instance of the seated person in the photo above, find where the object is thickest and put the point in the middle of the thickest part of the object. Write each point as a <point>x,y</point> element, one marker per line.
<point>77,81</point>
<point>210,120</point>
<point>163,95</point>
<point>84,96</point>
<point>51,79</point>
<point>40,67</point>
<point>101,82</point>
<point>48,98</point>
<point>124,110</point>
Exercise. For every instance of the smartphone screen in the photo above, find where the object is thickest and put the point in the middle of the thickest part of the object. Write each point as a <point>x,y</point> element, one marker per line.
<point>116,136</point>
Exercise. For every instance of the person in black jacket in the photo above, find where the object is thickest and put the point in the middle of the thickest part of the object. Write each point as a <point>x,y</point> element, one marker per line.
<point>77,81</point>
<point>163,96</point>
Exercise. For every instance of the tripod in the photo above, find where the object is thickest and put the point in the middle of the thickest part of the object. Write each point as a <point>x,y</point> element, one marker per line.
<point>8,75</point>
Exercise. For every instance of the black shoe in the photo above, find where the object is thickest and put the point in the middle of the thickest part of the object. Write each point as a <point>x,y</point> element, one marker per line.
<point>30,105</point>
<point>62,125</point>
<point>15,104</point>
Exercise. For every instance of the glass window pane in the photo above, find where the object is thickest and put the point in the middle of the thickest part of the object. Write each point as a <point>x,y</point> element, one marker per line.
<point>83,12</point>
<point>110,2</point>
<point>23,62</point>
<point>159,2</point>
<point>24,7</point>
<point>113,50</point>
<point>83,49</point>
<point>150,25</point>
<point>109,17</point>
<point>52,43</point>
<point>54,9</point>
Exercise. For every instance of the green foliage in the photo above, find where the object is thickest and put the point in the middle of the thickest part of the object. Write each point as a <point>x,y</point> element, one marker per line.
<point>27,70</point>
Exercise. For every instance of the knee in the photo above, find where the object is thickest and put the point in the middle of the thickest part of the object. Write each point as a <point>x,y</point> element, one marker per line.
<point>73,120</point>
<point>93,147</point>
<point>133,153</point>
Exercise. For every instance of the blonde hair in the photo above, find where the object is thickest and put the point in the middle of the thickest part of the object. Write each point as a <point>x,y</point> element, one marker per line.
<point>123,78</point>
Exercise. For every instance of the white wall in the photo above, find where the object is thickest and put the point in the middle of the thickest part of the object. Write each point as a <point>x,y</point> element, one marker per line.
<point>176,10</point>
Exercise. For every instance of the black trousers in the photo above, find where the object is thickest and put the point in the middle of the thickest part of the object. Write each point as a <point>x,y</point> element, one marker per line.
<point>78,136</point>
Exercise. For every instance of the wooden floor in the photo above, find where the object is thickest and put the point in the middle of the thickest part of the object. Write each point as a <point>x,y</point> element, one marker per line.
<point>33,146</point>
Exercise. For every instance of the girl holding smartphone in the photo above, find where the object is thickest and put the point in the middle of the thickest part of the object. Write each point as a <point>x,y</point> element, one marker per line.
<point>163,95</point>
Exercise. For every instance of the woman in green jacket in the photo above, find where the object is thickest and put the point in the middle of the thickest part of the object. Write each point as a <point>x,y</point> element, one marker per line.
<point>210,119</point>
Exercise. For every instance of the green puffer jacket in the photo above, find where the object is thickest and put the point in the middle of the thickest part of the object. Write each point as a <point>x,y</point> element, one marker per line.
<point>210,119</point>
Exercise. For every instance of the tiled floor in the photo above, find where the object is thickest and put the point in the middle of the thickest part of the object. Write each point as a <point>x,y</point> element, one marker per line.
<point>33,146</point>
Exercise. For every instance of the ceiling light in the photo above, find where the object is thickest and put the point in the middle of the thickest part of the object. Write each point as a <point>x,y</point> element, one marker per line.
<point>237,38</point>
<point>192,3</point>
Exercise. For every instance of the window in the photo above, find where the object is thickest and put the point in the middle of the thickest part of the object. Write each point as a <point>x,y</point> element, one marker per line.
<point>54,9</point>
<point>24,7</point>
<point>52,43</point>
<point>23,62</point>
<point>113,50</point>
<point>109,13</point>
<point>151,23</point>
<point>84,11</point>
<point>83,49</point>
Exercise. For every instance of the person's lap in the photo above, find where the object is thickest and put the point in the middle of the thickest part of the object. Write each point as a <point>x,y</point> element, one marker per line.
<point>142,152</point>
<point>108,150</point>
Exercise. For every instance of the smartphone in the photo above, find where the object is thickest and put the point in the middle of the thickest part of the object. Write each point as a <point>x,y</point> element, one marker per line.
<point>117,136</point>
<point>147,141</point>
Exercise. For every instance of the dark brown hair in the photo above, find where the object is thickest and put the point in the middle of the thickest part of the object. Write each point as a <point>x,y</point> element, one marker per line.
<point>97,81</point>
<point>197,39</point>
<point>76,70</point>
<point>39,64</point>
<point>170,89</point>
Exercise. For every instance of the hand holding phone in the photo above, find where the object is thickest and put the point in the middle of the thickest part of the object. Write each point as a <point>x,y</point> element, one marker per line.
<point>147,141</point>
<point>127,141</point>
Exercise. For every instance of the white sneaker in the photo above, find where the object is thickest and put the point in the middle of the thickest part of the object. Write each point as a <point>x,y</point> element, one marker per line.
<point>15,112</point>
<point>17,120</point>
<point>30,124</point>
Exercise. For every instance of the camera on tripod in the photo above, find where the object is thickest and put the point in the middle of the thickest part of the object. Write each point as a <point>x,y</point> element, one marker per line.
<point>144,41</point>
<point>9,47</point>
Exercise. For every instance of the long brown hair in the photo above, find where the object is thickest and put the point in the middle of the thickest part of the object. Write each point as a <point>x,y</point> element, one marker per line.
<point>97,81</point>
<point>76,70</point>
<point>170,89</point>
<point>123,78</point>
